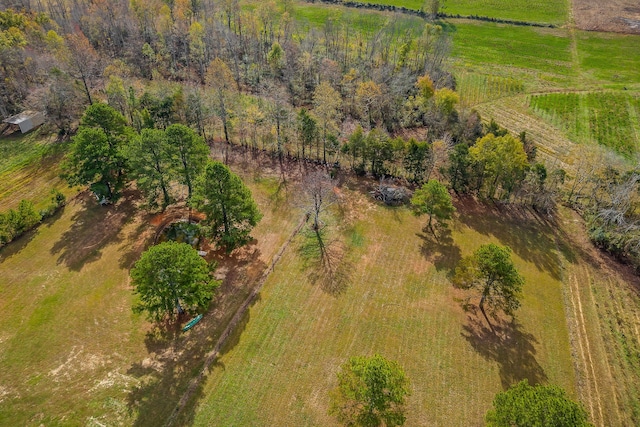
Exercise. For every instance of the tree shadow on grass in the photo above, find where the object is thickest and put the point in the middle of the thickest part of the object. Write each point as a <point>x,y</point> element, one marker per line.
<point>176,358</point>
<point>165,375</point>
<point>93,228</point>
<point>325,261</point>
<point>440,250</point>
<point>510,346</point>
<point>529,235</point>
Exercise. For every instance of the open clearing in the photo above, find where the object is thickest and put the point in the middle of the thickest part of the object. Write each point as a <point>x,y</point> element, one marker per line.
<point>72,353</point>
<point>397,301</point>
<point>611,119</point>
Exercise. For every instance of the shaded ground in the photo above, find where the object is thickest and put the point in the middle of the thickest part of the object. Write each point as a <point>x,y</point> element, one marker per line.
<point>621,16</point>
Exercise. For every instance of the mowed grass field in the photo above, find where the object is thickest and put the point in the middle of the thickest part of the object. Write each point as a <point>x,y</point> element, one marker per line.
<point>29,169</point>
<point>72,353</point>
<point>393,298</point>
<point>603,309</point>
<point>496,64</point>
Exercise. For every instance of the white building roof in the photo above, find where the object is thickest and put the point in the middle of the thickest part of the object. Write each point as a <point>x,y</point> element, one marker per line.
<point>19,118</point>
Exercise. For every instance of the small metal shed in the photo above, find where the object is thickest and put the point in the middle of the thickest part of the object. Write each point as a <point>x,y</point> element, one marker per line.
<point>26,120</point>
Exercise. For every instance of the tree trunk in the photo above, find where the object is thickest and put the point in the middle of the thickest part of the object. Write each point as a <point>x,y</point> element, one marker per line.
<point>431,226</point>
<point>484,313</point>
<point>187,178</point>
<point>86,88</point>
<point>324,143</point>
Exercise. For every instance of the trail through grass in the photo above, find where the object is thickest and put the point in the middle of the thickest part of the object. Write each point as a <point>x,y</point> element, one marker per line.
<point>603,309</point>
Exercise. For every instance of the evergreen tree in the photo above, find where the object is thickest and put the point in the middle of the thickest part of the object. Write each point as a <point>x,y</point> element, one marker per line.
<point>231,212</point>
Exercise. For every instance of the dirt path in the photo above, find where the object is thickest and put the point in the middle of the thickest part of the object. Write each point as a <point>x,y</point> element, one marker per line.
<point>212,356</point>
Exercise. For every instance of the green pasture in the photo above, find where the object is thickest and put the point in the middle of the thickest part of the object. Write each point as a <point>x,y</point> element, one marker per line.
<point>391,295</point>
<point>610,58</point>
<point>611,119</point>
<point>475,88</point>
<point>542,11</point>
<point>366,22</point>
<point>535,53</point>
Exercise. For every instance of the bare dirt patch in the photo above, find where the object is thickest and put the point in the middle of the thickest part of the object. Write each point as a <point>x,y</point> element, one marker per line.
<point>620,16</point>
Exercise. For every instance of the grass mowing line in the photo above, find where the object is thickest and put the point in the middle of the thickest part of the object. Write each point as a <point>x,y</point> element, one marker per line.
<point>213,354</point>
<point>615,307</point>
<point>585,351</point>
<point>609,306</point>
<point>398,303</point>
<point>513,114</point>
<point>604,117</point>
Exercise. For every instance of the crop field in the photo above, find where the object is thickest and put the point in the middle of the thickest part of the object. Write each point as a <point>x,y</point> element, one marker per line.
<point>607,118</point>
<point>72,352</point>
<point>394,298</point>
<point>542,11</point>
<point>29,169</point>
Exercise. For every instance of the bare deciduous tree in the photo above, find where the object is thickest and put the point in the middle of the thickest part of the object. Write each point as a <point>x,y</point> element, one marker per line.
<point>319,194</point>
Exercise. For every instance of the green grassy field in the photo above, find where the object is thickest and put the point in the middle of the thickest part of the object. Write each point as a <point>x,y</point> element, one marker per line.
<point>67,331</point>
<point>396,300</point>
<point>29,169</point>
<point>543,11</point>
<point>475,88</point>
<point>610,58</point>
<point>607,118</point>
<point>496,64</point>
<point>539,53</point>
<point>72,352</point>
